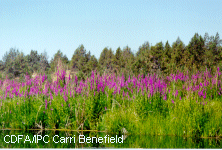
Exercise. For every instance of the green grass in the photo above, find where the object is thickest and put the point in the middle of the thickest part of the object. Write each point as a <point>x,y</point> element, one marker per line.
<point>104,112</point>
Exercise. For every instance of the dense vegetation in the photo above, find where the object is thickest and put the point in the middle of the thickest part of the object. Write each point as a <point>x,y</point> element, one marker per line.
<point>162,90</point>
<point>180,104</point>
<point>199,54</point>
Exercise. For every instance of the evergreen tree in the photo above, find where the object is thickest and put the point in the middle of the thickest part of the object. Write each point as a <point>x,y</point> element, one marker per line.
<point>1,65</point>
<point>177,55</point>
<point>54,61</point>
<point>9,62</point>
<point>33,61</point>
<point>156,56</point>
<point>106,60</point>
<point>92,64</point>
<point>143,49</point>
<point>80,59</point>
<point>128,61</point>
<point>142,60</point>
<point>194,52</point>
<point>166,58</point>
<point>103,57</point>
<point>44,64</point>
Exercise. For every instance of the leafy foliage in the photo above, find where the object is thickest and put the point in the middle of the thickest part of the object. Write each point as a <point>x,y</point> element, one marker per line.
<point>199,54</point>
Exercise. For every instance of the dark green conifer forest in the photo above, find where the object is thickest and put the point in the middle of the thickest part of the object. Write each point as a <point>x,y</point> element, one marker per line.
<point>201,53</point>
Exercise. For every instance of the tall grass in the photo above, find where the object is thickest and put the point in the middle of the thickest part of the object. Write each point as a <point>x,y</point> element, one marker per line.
<point>179,104</point>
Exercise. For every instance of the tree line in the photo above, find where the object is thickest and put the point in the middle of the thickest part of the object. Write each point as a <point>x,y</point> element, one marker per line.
<point>201,53</point>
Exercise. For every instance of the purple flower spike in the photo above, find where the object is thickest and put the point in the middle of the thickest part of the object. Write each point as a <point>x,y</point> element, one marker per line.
<point>172,101</point>
<point>105,108</point>
<point>46,104</point>
<point>176,93</point>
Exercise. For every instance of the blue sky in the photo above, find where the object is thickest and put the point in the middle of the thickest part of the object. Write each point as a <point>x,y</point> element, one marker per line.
<point>53,25</point>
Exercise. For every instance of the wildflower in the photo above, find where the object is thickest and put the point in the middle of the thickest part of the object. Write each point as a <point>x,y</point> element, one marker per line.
<point>205,95</point>
<point>176,93</point>
<point>105,108</point>
<point>51,96</point>
<point>172,101</point>
<point>65,98</point>
<point>46,104</point>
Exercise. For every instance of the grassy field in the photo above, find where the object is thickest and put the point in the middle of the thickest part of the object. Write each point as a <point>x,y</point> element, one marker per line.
<point>180,104</point>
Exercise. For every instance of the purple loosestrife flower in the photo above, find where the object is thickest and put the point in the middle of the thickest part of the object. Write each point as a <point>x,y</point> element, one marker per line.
<point>70,93</point>
<point>20,95</point>
<point>176,93</point>
<point>46,104</point>
<point>172,101</point>
<point>65,97</point>
<point>51,97</point>
<point>69,77</point>
<point>205,95</point>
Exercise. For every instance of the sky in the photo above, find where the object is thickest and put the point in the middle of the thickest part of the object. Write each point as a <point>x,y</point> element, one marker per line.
<point>49,26</point>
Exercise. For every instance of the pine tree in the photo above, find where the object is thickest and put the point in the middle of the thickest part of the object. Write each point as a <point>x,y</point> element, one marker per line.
<point>80,59</point>
<point>194,52</point>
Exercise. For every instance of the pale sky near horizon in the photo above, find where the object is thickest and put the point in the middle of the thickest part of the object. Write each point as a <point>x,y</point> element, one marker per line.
<point>53,25</point>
